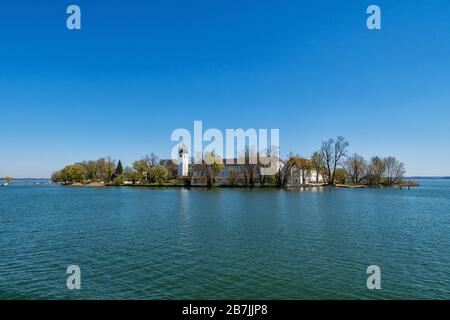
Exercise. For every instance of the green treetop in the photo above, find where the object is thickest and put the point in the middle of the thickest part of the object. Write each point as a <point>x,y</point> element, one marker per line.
<point>119,169</point>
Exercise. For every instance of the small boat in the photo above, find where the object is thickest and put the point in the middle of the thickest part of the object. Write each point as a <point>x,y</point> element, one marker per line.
<point>5,184</point>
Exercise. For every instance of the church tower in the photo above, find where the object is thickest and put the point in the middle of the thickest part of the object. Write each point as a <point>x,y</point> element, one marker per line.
<point>183,161</point>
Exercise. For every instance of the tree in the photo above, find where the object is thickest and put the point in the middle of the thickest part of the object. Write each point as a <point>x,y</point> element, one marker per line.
<point>212,165</point>
<point>356,168</point>
<point>78,173</point>
<point>232,175</point>
<point>140,168</point>
<point>172,168</point>
<point>394,170</point>
<point>119,169</point>
<point>318,164</point>
<point>110,164</point>
<point>56,176</point>
<point>119,180</point>
<point>102,169</point>
<point>132,175</point>
<point>150,161</point>
<point>271,180</point>
<point>341,175</point>
<point>90,168</point>
<point>376,171</point>
<point>333,151</point>
<point>70,174</point>
<point>159,174</point>
<point>248,160</point>
<point>153,159</point>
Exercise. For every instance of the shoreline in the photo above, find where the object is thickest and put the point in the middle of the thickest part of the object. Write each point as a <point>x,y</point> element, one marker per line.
<point>306,186</point>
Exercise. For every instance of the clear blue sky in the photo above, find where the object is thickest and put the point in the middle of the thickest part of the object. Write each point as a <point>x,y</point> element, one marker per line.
<point>139,69</point>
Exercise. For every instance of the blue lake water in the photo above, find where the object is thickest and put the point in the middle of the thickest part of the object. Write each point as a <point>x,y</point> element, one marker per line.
<point>224,244</point>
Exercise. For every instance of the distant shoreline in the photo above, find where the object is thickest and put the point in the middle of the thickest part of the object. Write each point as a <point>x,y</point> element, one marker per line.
<point>428,177</point>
